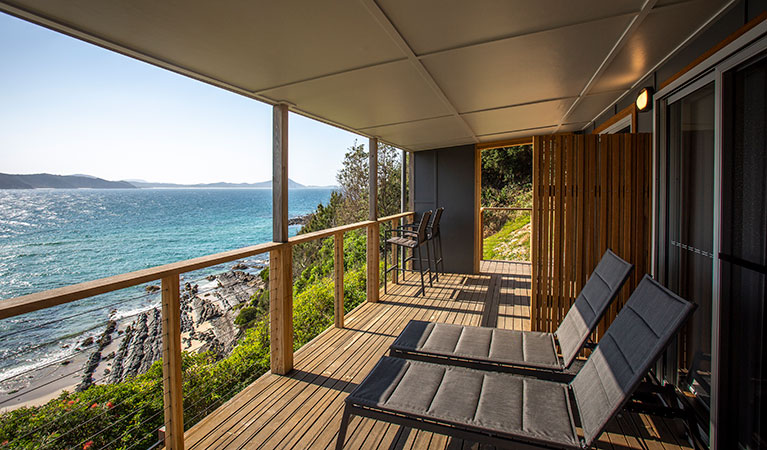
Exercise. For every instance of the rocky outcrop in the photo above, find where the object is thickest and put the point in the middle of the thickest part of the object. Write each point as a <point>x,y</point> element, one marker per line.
<point>299,220</point>
<point>95,358</point>
<point>207,324</point>
<point>141,346</point>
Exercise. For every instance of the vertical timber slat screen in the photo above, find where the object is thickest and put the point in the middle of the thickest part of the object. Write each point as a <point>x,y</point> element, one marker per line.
<point>590,193</point>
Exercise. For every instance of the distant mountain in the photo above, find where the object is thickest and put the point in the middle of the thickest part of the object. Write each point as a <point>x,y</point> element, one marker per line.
<point>48,181</point>
<point>223,185</point>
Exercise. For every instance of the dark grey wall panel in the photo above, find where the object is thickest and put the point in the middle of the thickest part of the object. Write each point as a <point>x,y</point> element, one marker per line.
<point>445,178</point>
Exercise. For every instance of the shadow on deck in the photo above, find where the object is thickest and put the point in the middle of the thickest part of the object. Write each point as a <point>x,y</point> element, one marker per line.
<point>303,409</point>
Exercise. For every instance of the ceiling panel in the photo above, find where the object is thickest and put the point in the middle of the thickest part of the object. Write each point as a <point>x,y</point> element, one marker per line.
<point>590,106</point>
<point>517,134</point>
<point>551,64</point>
<point>518,117</point>
<point>504,66</point>
<point>252,45</point>
<point>424,132</point>
<point>571,127</point>
<point>424,23</point>
<point>380,95</point>
<point>660,33</point>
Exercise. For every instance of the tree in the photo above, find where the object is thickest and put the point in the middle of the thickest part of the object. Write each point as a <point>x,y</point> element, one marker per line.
<point>353,180</point>
<point>313,260</point>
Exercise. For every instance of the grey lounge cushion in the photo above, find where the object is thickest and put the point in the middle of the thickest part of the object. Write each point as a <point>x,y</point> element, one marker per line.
<point>484,344</point>
<point>599,291</point>
<point>522,348</point>
<point>494,404</point>
<point>634,341</point>
<point>506,405</point>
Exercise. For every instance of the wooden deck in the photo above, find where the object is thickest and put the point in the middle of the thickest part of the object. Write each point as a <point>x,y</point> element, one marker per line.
<point>303,410</point>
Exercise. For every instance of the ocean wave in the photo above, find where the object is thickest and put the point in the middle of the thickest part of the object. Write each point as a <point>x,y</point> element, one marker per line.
<point>122,314</point>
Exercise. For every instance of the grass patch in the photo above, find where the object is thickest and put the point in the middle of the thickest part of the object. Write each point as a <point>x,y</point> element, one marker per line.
<point>511,243</point>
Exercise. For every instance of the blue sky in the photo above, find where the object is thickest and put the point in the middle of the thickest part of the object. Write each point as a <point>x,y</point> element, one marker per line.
<point>69,107</point>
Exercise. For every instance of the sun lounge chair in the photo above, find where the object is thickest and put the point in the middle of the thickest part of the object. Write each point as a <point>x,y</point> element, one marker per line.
<point>502,409</point>
<point>525,352</point>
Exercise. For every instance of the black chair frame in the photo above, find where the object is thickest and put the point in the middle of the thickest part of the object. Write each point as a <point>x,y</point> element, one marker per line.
<point>420,237</point>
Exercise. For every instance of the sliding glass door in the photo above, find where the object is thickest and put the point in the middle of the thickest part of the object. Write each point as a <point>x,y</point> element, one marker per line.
<point>744,255</point>
<point>710,242</point>
<point>687,266</point>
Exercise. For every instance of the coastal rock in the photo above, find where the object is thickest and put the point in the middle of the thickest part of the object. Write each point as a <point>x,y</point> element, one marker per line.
<point>205,310</point>
<point>239,266</point>
<point>90,367</point>
<point>237,287</point>
<point>299,220</point>
<point>152,288</point>
<point>207,324</point>
<point>141,346</point>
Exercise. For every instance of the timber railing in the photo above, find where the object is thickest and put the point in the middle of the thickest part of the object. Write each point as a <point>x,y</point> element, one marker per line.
<point>504,211</point>
<point>169,275</point>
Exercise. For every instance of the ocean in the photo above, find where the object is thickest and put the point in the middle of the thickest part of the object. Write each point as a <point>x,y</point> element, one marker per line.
<point>54,238</point>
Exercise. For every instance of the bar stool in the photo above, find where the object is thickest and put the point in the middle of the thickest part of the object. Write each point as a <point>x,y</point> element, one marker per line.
<point>413,239</point>
<point>434,236</point>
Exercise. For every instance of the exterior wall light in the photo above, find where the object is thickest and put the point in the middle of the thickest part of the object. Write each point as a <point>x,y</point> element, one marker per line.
<point>644,98</point>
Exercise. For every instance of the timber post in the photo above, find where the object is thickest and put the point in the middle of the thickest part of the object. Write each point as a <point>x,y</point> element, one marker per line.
<point>373,256</point>
<point>281,259</point>
<point>171,364</point>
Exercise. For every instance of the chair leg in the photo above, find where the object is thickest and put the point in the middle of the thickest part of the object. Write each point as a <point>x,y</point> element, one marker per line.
<point>342,430</point>
<point>436,269</point>
<point>428,262</point>
<point>420,269</point>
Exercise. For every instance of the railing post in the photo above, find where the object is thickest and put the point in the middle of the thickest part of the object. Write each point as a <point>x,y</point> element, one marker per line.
<point>171,364</point>
<point>281,309</point>
<point>481,233</point>
<point>338,268</point>
<point>373,263</point>
<point>394,253</point>
<point>280,260</point>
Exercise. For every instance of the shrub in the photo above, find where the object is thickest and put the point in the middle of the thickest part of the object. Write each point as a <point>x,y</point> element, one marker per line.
<point>246,315</point>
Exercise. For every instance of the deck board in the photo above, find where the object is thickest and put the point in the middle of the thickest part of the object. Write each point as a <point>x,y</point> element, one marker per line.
<point>303,409</point>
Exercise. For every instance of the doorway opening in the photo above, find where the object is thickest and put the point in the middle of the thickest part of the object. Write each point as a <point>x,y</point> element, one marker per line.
<point>506,203</point>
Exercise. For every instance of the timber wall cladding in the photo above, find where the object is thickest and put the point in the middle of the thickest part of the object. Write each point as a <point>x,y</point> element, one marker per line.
<point>590,193</point>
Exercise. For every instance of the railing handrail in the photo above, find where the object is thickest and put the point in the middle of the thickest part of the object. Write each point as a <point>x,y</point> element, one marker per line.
<point>45,299</point>
<point>314,235</point>
<point>53,297</point>
<point>503,208</point>
<point>395,216</point>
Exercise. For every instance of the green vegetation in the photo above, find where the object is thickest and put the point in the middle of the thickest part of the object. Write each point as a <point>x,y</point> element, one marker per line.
<point>512,242</point>
<point>127,415</point>
<point>507,182</point>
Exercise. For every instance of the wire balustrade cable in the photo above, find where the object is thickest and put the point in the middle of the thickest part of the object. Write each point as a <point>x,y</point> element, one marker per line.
<point>78,314</point>
<point>227,395</point>
<point>71,356</point>
<point>138,425</point>
<point>21,394</point>
<point>86,406</point>
<point>232,381</point>
<point>99,416</point>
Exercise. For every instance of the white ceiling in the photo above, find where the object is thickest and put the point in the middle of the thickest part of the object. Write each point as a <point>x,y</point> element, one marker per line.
<point>417,74</point>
